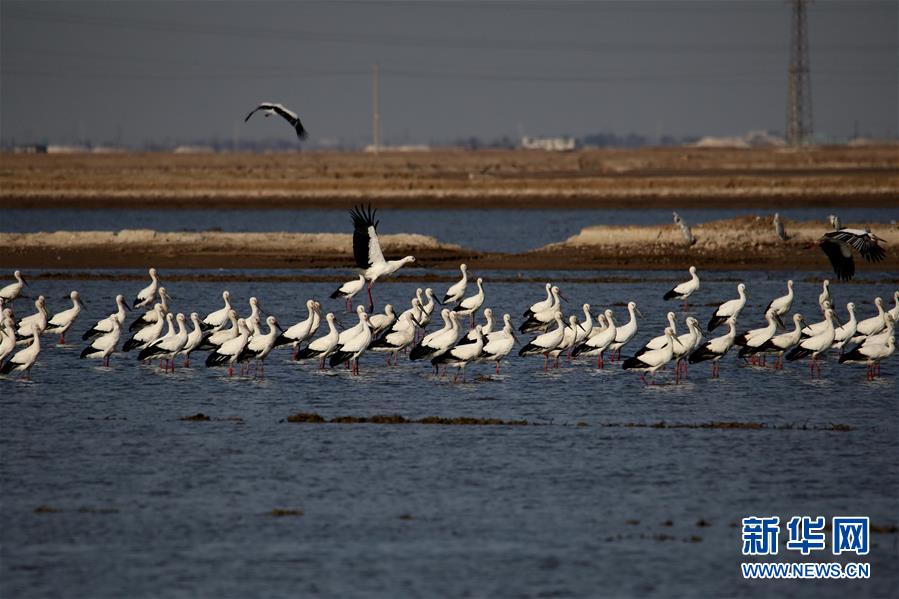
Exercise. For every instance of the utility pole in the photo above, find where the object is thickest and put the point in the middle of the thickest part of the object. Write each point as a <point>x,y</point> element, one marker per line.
<point>376,108</point>
<point>799,102</point>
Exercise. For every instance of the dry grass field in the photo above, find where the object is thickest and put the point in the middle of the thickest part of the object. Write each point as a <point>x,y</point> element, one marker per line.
<point>767,179</point>
<point>658,177</point>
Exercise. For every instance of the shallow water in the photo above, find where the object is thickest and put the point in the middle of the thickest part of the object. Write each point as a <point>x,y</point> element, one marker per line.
<point>150,505</point>
<point>476,229</point>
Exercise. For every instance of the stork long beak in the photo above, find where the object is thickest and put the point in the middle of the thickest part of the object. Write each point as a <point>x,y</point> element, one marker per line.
<point>562,296</point>
<point>637,310</point>
<point>127,307</point>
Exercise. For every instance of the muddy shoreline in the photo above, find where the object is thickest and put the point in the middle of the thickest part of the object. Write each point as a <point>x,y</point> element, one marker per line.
<point>743,243</point>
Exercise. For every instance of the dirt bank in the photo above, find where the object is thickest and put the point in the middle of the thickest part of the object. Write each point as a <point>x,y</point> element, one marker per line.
<point>655,177</point>
<point>734,244</point>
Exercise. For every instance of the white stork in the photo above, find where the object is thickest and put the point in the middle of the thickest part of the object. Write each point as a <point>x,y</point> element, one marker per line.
<point>457,290</point>
<point>349,290</point>
<point>147,295</point>
<point>322,347</point>
<point>838,246</point>
<point>685,289</point>
<point>61,322</point>
<point>291,117</point>
<point>25,358</point>
<point>729,309</point>
<point>12,291</point>
<point>367,249</point>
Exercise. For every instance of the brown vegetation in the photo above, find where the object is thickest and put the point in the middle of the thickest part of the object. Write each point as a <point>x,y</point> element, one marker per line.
<point>660,177</point>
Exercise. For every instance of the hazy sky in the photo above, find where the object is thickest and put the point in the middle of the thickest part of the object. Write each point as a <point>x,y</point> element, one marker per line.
<point>168,71</point>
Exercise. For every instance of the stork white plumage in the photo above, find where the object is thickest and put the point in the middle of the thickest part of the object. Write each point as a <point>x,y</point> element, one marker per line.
<point>486,328</point>
<point>147,295</point>
<point>7,337</point>
<point>838,246</point>
<point>471,304</point>
<point>288,115</point>
<point>10,292</point>
<point>817,327</point>
<point>499,344</point>
<point>33,322</point>
<point>219,318</point>
<point>438,342</point>
<point>382,322</point>
<point>104,325</point>
<point>461,355</point>
<point>780,344</point>
<point>873,325</point>
<point>354,347</point>
<point>322,347</point>
<point>781,305</point>
<point>349,290</point>
<point>715,349</point>
<point>872,353</point>
<point>685,345</point>
<point>846,331</point>
<point>194,338</point>
<point>457,290</point>
<point>148,335</point>
<point>149,317</point>
<point>260,346</point>
<point>169,346</point>
<point>626,332</point>
<point>62,321</point>
<point>685,289</point>
<point>545,343</point>
<point>816,345</point>
<point>752,341</point>
<point>599,341</point>
<point>541,305</point>
<point>222,335</point>
<point>367,250</point>
<point>825,299</point>
<point>25,358</point>
<point>303,330</point>
<point>729,309</point>
<point>397,339</point>
<point>228,352</point>
<point>568,338</point>
<point>660,341</point>
<point>653,360</point>
<point>540,321</point>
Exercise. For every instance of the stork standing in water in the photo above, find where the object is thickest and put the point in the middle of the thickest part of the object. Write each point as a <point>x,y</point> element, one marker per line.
<point>715,349</point>
<point>470,305</point>
<point>872,353</point>
<point>498,344</point>
<point>216,320</point>
<point>815,346</point>
<point>104,345</point>
<point>461,355</point>
<point>654,359</point>
<point>105,325</point>
<point>685,289</point>
<point>780,344</point>
<point>729,309</point>
<point>349,290</point>
<point>781,305</point>
<point>12,291</point>
<point>25,359</point>
<point>367,250</point>
<point>457,290</point>
<point>290,116</point>
<point>322,347</point>
<point>547,342</point>
<point>62,321</point>
<point>147,295</point>
<point>838,246</point>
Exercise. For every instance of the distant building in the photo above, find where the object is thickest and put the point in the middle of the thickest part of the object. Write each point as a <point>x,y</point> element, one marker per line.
<point>550,144</point>
<point>751,139</point>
